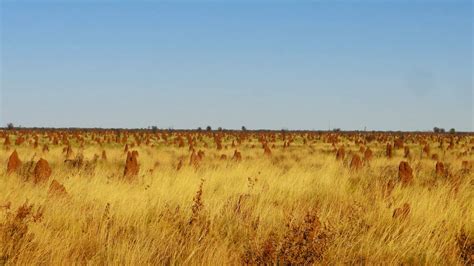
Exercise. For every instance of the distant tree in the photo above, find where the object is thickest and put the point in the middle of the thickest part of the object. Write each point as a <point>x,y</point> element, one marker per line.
<point>244,128</point>
<point>208,128</point>
<point>219,128</point>
<point>10,126</point>
<point>452,131</point>
<point>199,129</point>
<point>336,130</point>
<point>154,129</point>
<point>441,130</point>
<point>436,130</point>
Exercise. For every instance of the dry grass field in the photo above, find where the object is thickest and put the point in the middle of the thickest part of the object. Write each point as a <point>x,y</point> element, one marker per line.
<point>220,198</point>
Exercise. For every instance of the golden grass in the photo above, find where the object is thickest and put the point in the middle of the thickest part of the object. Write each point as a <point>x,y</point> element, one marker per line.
<point>298,205</point>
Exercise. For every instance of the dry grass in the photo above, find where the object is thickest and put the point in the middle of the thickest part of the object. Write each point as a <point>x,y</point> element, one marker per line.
<point>287,200</point>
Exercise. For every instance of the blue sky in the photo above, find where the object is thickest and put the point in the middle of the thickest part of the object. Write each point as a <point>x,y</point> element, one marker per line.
<point>390,65</point>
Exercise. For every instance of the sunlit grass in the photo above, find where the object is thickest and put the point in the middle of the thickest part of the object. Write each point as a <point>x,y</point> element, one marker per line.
<point>248,207</point>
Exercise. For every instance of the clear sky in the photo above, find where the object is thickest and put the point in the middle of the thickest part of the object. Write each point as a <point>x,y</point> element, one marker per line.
<point>389,65</point>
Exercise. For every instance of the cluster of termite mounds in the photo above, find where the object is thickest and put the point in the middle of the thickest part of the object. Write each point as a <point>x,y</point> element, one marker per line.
<point>408,151</point>
<point>356,151</point>
<point>41,171</point>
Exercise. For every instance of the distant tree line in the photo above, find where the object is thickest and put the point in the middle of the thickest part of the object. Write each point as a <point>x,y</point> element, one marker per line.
<point>442,130</point>
<point>11,126</point>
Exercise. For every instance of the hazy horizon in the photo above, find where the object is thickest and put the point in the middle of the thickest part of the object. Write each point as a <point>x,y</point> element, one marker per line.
<point>396,65</point>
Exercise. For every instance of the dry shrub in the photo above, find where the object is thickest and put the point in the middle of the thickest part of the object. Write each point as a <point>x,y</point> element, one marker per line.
<point>401,212</point>
<point>14,232</point>
<point>80,164</point>
<point>25,172</point>
<point>241,208</point>
<point>465,244</point>
<point>305,242</point>
<point>77,162</point>
<point>197,204</point>
<point>264,253</point>
<point>199,223</point>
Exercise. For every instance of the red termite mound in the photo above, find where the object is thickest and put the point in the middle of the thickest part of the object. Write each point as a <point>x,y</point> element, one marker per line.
<point>440,169</point>
<point>368,154</point>
<point>14,163</point>
<point>42,171</point>
<point>388,151</point>
<point>340,154</point>
<point>405,173</point>
<point>56,189</point>
<point>237,156</point>
<point>266,150</point>
<point>356,162</point>
<point>131,165</point>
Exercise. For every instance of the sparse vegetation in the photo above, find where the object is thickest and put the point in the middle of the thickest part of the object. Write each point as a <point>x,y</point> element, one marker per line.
<point>236,197</point>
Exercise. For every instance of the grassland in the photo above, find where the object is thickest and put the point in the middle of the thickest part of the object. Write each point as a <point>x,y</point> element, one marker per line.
<point>297,205</point>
